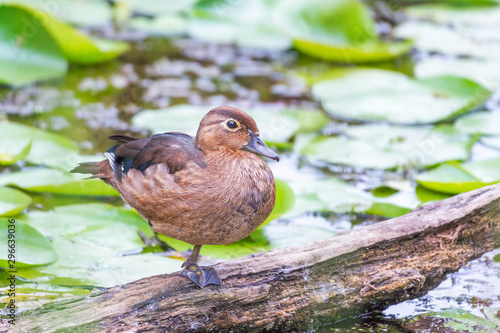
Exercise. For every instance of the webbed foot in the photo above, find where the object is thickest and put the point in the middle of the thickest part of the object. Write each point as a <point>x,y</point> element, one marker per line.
<point>201,275</point>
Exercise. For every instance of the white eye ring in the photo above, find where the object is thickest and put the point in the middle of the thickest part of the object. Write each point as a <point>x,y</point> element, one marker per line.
<point>231,125</point>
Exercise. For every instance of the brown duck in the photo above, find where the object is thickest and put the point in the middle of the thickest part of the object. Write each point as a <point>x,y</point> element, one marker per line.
<point>210,189</point>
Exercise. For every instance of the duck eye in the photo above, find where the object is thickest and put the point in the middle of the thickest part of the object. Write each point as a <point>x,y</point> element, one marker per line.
<point>232,124</point>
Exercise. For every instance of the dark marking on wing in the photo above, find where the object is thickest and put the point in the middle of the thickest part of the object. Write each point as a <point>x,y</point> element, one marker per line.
<point>176,150</point>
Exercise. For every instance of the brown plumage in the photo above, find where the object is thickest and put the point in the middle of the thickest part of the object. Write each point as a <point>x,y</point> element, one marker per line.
<point>211,189</point>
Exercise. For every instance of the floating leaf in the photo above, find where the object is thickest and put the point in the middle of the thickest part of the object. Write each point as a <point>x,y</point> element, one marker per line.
<point>325,195</point>
<point>274,127</point>
<point>336,30</point>
<point>164,25</point>
<point>75,46</point>
<point>389,147</point>
<point>12,202</point>
<point>487,73</point>
<point>56,181</point>
<point>457,178</point>
<point>487,123</point>
<point>465,321</point>
<point>78,12</point>
<point>285,200</point>
<point>379,95</point>
<point>46,148</point>
<point>11,158</point>
<point>29,52</point>
<point>477,42</point>
<point>245,23</point>
<point>88,264</point>
<point>31,247</point>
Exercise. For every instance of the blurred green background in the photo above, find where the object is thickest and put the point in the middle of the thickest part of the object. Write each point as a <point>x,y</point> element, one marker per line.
<point>376,108</point>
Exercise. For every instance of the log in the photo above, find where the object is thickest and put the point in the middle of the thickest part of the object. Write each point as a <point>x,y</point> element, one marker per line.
<point>294,289</point>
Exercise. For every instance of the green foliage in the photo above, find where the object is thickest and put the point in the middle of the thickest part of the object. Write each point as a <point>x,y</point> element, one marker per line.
<point>389,147</point>
<point>342,31</point>
<point>12,202</point>
<point>378,95</point>
<point>56,181</point>
<point>456,178</point>
<point>46,148</point>
<point>464,321</point>
<point>29,52</point>
<point>37,46</point>
<point>31,247</point>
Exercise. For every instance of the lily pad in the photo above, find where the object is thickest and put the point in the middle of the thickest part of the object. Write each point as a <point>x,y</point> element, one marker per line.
<point>487,73</point>
<point>379,95</point>
<point>46,148</point>
<point>457,178</point>
<point>338,30</point>
<point>56,181</point>
<point>7,158</point>
<point>29,52</point>
<point>274,127</point>
<point>31,247</point>
<point>245,23</point>
<point>477,42</point>
<point>389,147</point>
<point>487,123</point>
<point>74,45</point>
<point>88,264</point>
<point>12,202</point>
<point>77,12</point>
<point>328,195</point>
<point>465,321</point>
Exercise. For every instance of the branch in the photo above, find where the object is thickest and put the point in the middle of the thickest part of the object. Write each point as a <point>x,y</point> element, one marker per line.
<point>290,289</point>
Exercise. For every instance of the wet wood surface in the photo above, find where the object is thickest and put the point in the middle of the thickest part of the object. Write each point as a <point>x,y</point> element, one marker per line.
<point>294,289</point>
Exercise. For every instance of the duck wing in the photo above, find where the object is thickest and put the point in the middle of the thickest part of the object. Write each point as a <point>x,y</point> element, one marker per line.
<point>173,149</point>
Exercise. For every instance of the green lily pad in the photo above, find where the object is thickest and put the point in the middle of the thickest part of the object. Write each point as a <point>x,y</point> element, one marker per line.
<point>77,12</point>
<point>336,30</point>
<point>274,127</point>
<point>56,181</point>
<point>486,123</point>
<point>164,25</point>
<point>492,141</point>
<point>457,178</point>
<point>486,13</point>
<point>328,195</point>
<point>465,321</point>
<point>34,295</point>
<point>476,42</point>
<point>285,199</point>
<point>7,158</point>
<point>74,45</point>
<point>379,95</point>
<point>88,264</point>
<point>88,239</point>
<point>46,148</point>
<point>389,147</point>
<point>12,202</point>
<point>245,23</point>
<point>29,52</point>
<point>31,247</point>
<point>487,73</point>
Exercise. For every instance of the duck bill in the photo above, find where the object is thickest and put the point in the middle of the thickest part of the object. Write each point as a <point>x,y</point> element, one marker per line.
<point>256,145</point>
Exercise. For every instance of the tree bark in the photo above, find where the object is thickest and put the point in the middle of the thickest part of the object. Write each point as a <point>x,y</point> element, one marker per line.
<point>293,289</point>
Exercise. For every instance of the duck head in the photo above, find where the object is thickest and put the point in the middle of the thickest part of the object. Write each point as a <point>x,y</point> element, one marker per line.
<point>226,127</point>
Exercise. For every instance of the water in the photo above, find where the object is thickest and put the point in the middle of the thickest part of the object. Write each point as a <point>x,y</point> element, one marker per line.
<point>94,102</point>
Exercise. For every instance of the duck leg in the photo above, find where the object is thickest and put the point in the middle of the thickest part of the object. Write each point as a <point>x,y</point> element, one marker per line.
<point>200,275</point>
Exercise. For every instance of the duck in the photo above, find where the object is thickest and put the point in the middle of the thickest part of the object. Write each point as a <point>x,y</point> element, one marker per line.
<point>210,189</point>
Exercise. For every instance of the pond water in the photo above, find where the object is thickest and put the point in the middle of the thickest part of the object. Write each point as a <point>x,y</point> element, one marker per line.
<point>91,103</point>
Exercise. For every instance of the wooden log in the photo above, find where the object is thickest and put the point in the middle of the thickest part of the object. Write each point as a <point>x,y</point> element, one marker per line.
<point>294,288</point>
